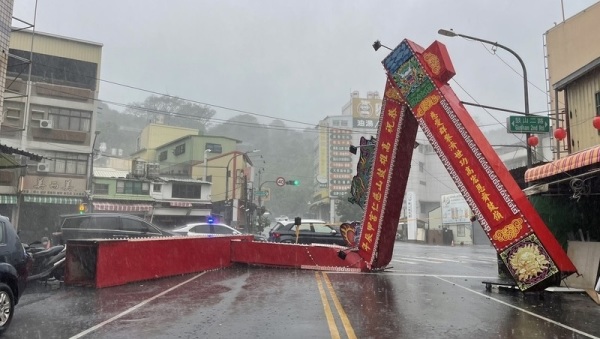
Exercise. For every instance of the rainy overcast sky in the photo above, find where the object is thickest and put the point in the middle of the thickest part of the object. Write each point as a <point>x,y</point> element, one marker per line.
<point>299,60</point>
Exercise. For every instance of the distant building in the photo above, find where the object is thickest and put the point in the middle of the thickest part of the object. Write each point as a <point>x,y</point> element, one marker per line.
<point>180,152</point>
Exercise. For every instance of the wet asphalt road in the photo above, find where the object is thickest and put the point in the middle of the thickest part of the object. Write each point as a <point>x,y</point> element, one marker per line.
<point>429,292</point>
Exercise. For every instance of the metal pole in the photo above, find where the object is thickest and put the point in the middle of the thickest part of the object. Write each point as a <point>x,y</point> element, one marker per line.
<point>227,178</point>
<point>90,187</point>
<point>525,83</point>
<point>206,164</point>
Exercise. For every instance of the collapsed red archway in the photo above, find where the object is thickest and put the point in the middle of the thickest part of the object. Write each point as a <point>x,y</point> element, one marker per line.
<point>417,94</point>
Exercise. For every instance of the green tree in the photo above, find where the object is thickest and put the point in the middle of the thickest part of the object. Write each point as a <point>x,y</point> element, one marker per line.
<point>173,111</point>
<point>284,152</point>
<point>118,130</point>
<point>347,210</point>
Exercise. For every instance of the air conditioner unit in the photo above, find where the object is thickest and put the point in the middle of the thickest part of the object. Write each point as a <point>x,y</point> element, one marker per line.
<point>46,123</point>
<point>42,167</point>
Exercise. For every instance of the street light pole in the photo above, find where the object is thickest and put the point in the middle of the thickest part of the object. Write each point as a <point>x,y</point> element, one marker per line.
<point>206,164</point>
<point>227,177</point>
<point>227,174</point>
<point>525,83</point>
<point>89,184</point>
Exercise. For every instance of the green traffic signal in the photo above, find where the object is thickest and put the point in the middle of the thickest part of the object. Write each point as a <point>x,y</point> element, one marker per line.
<point>293,182</point>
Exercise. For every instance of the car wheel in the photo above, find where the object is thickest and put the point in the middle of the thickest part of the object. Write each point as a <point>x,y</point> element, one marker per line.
<point>59,273</point>
<point>7,306</point>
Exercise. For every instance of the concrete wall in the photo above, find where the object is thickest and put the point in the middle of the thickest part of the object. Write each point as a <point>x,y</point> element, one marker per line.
<point>586,257</point>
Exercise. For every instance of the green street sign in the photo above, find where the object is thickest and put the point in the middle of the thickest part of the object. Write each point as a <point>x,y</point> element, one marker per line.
<point>527,124</point>
<point>262,193</point>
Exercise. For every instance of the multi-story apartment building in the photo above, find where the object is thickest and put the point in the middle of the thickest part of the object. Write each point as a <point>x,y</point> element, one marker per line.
<point>154,135</point>
<point>6,10</point>
<point>184,156</point>
<point>49,109</point>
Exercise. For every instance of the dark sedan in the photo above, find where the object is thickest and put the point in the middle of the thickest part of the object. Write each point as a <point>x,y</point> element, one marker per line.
<point>105,226</point>
<point>311,231</point>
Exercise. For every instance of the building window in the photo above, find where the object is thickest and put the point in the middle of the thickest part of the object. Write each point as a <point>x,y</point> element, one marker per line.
<point>162,156</point>
<point>54,69</point>
<point>67,163</point>
<point>69,119</point>
<point>186,191</point>
<point>156,187</point>
<point>180,149</point>
<point>421,167</point>
<point>13,113</point>
<point>133,187</point>
<point>336,122</point>
<point>344,123</point>
<point>460,230</point>
<point>100,188</point>
<point>209,178</point>
<point>214,148</point>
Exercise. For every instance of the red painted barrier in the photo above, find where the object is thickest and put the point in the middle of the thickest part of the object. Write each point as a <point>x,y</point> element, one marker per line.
<point>104,263</point>
<point>317,257</point>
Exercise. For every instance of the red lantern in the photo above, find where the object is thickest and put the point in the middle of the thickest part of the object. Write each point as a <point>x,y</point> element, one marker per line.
<point>533,141</point>
<point>596,122</point>
<point>560,133</point>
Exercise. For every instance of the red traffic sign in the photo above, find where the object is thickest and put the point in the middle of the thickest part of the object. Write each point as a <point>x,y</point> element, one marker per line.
<point>280,181</point>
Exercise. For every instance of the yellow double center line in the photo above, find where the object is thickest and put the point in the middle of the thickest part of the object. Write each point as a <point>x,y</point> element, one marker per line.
<point>333,330</point>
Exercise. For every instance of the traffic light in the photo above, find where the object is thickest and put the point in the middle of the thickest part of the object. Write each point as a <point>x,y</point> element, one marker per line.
<point>82,208</point>
<point>293,182</point>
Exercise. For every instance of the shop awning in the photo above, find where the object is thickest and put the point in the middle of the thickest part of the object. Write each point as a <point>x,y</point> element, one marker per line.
<point>116,207</point>
<point>8,161</point>
<point>166,211</point>
<point>44,199</point>
<point>11,150</point>
<point>180,204</point>
<point>8,199</point>
<point>576,160</point>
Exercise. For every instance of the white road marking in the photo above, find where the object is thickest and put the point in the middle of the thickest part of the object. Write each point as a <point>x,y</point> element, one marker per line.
<point>404,262</point>
<point>440,275</point>
<point>440,259</point>
<point>420,260</point>
<point>92,329</point>
<point>522,310</point>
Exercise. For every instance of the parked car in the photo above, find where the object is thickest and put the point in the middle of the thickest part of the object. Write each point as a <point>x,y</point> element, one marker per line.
<point>105,226</point>
<point>311,231</point>
<point>210,229</point>
<point>15,264</point>
<point>267,231</point>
